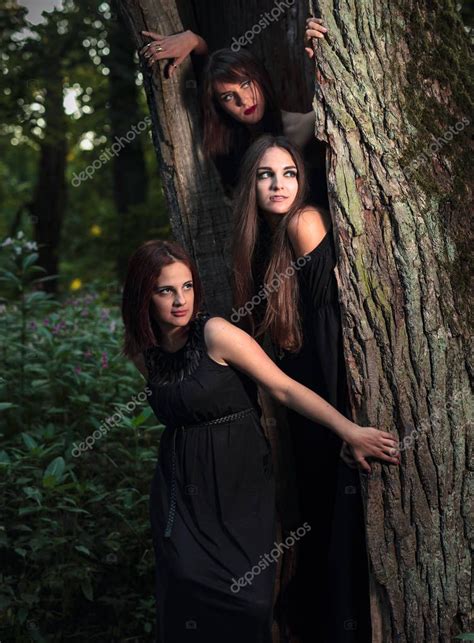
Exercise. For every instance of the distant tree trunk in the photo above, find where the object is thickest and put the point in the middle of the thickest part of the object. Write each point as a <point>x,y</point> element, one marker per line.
<point>393,103</point>
<point>130,179</point>
<point>49,201</point>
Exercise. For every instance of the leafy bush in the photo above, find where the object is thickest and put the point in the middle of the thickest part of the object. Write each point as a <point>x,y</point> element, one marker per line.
<point>75,534</point>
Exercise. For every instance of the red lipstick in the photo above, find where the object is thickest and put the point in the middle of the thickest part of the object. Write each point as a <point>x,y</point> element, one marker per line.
<point>250,110</point>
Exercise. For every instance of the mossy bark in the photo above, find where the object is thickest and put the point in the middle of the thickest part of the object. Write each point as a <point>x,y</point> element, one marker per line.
<point>394,104</point>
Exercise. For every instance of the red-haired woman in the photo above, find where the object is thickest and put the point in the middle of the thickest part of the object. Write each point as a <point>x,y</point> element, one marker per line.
<point>239,104</point>
<point>276,226</point>
<point>212,502</point>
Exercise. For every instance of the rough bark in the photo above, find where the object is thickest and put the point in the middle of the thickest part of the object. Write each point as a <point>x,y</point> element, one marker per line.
<point>393,78</point>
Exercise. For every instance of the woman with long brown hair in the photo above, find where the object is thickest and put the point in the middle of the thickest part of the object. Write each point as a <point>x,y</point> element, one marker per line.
<point>275,227</point>
<point>212,501</point>
<point>239,104</point>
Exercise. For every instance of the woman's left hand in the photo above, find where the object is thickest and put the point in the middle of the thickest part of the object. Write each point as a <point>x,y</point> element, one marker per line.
<point>314,29</point>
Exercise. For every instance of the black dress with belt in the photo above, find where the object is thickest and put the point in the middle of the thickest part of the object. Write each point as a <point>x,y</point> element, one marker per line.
<point>212,500</point>
<point>329,598</point>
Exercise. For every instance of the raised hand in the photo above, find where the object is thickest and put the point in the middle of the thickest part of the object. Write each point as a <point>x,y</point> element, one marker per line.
<point>175,48</point>
<point>314,29</point>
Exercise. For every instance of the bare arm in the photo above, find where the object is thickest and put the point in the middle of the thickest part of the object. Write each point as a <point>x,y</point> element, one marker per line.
<point>227,343</point>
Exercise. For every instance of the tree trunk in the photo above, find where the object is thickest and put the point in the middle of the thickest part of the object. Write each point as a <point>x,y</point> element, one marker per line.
<point>393,104</point>
<point>130,179</point>
<point>49,202</point>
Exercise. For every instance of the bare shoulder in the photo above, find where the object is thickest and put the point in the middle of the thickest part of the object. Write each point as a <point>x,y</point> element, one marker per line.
<point>218,334</point>
<point>308,228</point>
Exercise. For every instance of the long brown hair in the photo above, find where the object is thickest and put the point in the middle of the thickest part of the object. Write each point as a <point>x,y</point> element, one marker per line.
<point>222,133</point>
<point>258,256</point>
<point>144,267</point>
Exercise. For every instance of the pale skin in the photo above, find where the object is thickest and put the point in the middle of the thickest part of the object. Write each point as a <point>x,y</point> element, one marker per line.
<point>236,98</point>
<point>277,187</point>
<point>228,346</point>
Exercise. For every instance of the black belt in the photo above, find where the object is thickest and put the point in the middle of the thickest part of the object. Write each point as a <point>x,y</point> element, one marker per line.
<point>221,420</point>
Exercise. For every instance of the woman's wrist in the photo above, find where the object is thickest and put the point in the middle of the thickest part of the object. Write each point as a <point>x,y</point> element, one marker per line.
<point>346,429</point>
<point>194,39</point>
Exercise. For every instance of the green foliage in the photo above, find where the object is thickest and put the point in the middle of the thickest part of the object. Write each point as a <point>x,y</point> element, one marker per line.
<point>72,47</point>
<point>75,533</point>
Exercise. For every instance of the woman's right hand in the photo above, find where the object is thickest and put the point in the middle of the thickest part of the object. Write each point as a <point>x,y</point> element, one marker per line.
<point>368,442</point>
<point>175,47</point>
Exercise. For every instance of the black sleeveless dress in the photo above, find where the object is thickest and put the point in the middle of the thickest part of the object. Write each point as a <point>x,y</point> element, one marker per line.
<point>329,597</point>
<point>212,500</point>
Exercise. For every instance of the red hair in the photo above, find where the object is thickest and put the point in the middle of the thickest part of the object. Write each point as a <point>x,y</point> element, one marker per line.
<point>144,268</point>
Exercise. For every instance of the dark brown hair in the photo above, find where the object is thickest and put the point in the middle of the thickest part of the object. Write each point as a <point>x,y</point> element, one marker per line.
<point>222,133</point>
<point>144,267</point>
<point>258,256</point>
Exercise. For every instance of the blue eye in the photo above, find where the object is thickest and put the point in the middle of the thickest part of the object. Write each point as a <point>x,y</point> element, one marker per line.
<point>264,175</point>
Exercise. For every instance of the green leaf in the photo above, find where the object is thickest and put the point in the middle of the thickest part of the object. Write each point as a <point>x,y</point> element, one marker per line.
<point>32,492</point>
<point>468,636</point>
<point>84,550</point>
<point>55,468</point>
<point>140,419</point>
<point>29,260</point>
<point>30,443</point>
<point>4,458</point>
<point>21,552</point>
<point>7,405</point>
<point>86,587</point>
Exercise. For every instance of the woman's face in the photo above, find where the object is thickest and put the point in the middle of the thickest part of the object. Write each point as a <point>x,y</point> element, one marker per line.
<point>244,100</point>
<point>173,295</point>
<point>277,181</point>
